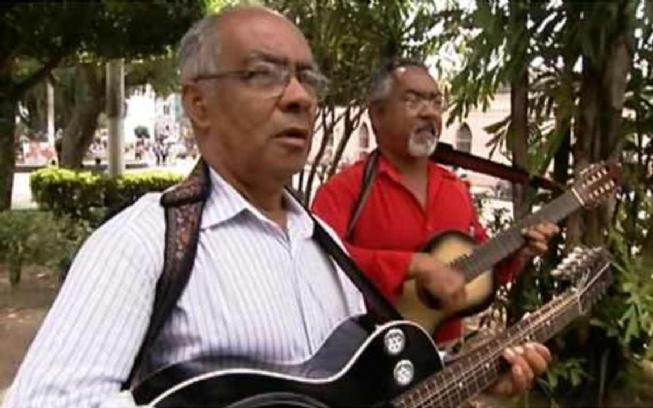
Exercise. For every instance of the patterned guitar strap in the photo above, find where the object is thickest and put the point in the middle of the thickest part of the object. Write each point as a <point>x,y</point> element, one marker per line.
<point>183,206</point>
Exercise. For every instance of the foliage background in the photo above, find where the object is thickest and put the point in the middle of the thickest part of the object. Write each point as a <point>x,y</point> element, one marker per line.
<point>580,79</point>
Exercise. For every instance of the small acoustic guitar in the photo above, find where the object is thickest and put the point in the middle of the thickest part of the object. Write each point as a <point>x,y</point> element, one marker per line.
<point>476,261</point>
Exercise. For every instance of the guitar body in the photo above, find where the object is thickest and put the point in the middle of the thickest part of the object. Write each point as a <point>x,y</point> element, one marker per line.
<point>392,365</point>
<point>446,247</point>
<point>352,369</point>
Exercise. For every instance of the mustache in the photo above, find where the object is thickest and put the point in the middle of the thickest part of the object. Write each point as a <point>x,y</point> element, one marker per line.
<point>428,127</point>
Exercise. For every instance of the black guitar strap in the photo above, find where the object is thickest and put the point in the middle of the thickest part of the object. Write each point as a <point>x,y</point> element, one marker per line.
<point>369,174</point>
<point>184,205</point>
<point>379,308</point>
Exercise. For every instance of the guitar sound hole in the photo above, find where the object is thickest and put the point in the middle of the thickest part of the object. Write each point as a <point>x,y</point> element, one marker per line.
<point>278,399</point>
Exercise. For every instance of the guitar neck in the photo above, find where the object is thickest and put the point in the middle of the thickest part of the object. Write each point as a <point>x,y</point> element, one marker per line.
<point>508,241</point>
<point>476,371</point>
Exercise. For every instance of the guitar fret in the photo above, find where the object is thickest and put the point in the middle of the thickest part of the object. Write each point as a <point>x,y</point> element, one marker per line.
<point>503,244</point>
<point>476,371</point>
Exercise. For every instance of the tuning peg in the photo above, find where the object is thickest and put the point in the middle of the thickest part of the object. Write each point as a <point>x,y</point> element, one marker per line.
<point>568,264</point>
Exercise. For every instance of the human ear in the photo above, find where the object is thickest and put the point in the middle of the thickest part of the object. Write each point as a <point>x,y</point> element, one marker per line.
<point>194,101</point>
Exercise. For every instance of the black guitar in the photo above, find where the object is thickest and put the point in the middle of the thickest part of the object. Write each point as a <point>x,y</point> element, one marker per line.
<point>394,365</point>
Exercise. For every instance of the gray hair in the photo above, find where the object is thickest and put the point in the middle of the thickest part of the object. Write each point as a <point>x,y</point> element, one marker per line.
<point>381,84</point>
<point>199,49</point>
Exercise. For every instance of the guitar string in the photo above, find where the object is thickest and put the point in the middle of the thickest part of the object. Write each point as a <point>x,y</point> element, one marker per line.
<point>416,397</point>
<point>567,202</point>
<point>562,305</point>
<point>507,240</point>
<point>450,390</point>
<point>511,238</point>
<point>565,205</point>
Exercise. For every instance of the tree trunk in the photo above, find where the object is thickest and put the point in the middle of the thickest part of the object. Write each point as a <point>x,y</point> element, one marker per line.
<point>598,137</point>
<point>327,123</point>
<point>614,89</point>
<point>519,143</point>
<point>587,136</point>
<point>351,123</point>
<point>81,128</point>
<point>519,102</point>
<point>8,110</point>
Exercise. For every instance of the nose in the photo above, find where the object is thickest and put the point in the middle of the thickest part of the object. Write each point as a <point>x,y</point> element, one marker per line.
<point>296,98</point>
<point>432,113</point>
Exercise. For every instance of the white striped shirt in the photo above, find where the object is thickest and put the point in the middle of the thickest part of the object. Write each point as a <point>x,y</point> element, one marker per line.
<point>256,290</point>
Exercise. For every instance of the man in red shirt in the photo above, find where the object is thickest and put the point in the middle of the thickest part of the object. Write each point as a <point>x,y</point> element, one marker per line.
<point>411,198</point>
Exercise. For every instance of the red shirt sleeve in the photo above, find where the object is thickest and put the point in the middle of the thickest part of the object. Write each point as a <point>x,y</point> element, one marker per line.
<point>386,268</point>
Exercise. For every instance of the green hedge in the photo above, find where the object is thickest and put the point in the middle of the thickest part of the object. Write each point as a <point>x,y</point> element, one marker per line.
<point>30,237</point>
<point>93,197</point>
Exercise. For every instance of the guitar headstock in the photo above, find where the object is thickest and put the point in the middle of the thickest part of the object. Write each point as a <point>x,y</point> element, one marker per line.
<point>596,279</point>
<point>591,268</point>
<point>573,264</point>
<point>596,182</point>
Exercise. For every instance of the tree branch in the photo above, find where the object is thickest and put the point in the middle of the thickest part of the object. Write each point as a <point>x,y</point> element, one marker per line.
<point>36,77</point>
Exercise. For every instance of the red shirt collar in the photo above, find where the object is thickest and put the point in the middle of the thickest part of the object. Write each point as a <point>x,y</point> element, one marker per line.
<point>385,166</point>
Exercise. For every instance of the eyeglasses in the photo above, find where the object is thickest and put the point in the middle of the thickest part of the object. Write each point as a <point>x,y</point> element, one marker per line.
<point>415,100</point>
<point>271,78</point>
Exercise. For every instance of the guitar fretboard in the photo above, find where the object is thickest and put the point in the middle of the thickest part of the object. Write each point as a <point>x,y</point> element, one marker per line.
<point>477,370</point>
<point>508,241</point>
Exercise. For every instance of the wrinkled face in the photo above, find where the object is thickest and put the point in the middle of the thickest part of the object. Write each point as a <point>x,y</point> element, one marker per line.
<point>258,110</point>
<point>409,121</point>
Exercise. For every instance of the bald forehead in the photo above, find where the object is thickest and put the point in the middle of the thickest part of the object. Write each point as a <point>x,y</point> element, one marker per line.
<point>414,78</point>
<point>255,30</point>
<point>243,14</point>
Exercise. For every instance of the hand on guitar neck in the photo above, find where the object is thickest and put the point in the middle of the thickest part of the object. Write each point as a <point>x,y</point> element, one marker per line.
<point>527,362</point>
<point>437,280</point>
<point>537,239</point>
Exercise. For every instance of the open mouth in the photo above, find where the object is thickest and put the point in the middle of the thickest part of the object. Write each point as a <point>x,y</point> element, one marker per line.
<point>426,131</point>
<point>293,136</point>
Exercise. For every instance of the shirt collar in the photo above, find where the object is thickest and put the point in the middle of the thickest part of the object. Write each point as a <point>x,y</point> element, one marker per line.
<point>385,166</point>
<point>226,203</point>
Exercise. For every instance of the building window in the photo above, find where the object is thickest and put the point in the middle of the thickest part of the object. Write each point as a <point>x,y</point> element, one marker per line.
<point>464,138</point>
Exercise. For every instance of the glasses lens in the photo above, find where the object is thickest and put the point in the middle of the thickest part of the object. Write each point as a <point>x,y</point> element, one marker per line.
<point>314,82</point>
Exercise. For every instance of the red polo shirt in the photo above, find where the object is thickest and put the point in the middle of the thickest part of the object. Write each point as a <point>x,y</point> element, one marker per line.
<point>393,224</point>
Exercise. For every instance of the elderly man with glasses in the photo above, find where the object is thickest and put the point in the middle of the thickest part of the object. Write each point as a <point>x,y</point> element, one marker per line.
<point>261,287</point>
